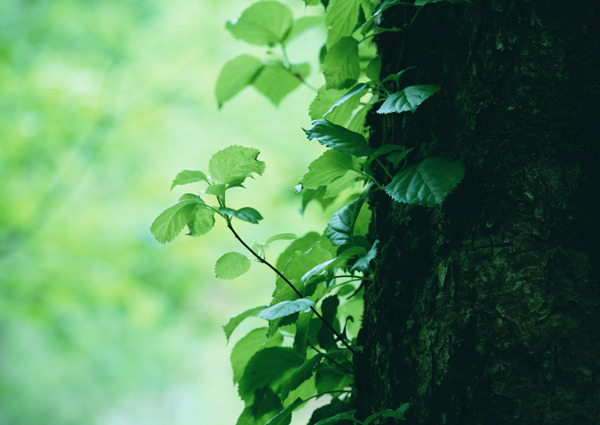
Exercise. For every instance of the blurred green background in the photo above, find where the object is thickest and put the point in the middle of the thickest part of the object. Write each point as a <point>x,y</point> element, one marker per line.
<point>101,104</point>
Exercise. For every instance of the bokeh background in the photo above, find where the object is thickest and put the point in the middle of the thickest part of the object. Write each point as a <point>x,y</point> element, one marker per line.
<point>102,103</point>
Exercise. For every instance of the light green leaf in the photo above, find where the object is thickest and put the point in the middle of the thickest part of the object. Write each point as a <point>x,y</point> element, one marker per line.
<point>280,237</point>
<point>318,269</point>
<point>285,416</point>
<point>408,99</point>
<point>341,66</point>
<point>373,69</point>
<point>426,183</point>
<point>346,181</point>
<point>236,74</point>
<point>275,81</point>
<point>187,176</point>
<point>285,308</point>
<point>302,244</point>
<point>302,24</point>
<point>323,101</point>
<point>341,18</point>
<point>352,96</point>
<point>246,214</point>
<point>245,348</point>
<point>339,138</point>
<point>264,23</point>
<point>236,320</point>
<point>328,167</point>
<point>234,164</point>
<point>231,265</point>
<point>201,220</point>
<point>370,23</point>
<point>215,189</point>
<point>268,367</point>
<point>303,373</point>
<point>170,222</point>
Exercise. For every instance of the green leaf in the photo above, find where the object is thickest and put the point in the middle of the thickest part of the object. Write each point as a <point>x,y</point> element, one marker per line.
<point>201,220</point>
<point>285,308</point>
<point>318,269</point>
<point>340,229</point>
<point>329,306</point>
<point>264,23</point>
<point>236,320</point>
<point>341,66</point>
<point>408,99</point>
<point>236,74</point>
<point>285,416</point>
<point>280,237</point>
<point>303,373</point>
<point>386,4</point>
<point>302,244</point>
<point>261,406</point>
<point>245,214</point>
<point>334,420</point>
<point>323,101</point>
<point>187,176</point>
<point>302,24</point>
<point>373,69</point>
<point>275,81</point>
<point>245,348</point>
<point>334,407</point>
<point>339,138</point>
<point>215,189</point>
<point>231,265</point>
<point>363,263</point>
<point>351,97</point>
<point>388,413</point>
<point>169,223</point>
<point>268,367</point>
<point>426,183</point>
<point>341,19</point>
<point>234,164</point>
<point>325,169</point>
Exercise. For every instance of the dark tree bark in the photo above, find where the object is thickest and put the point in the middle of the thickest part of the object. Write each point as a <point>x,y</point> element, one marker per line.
<point>486,310</point>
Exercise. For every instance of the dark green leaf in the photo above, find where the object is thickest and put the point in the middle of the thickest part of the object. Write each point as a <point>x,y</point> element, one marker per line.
<point>408,99</point>
<point>264,23</point>
<point>245,348</point>
<point>339,138</point>
<point>285,416</point>
<point>363,263</point>
<point>303,373</point>
<point>336,419</point>
<point>388,413</point>
<point>236,320</point>
<point>236,75</point>
<point>340,229</point>
<point>187,176</point>
<point>329,306</point>
<point>373,69</point>
<point>285,308</point>
<point>325,412</point>
<point>341,66</point>
<point>426,183</point>
<point>231,265</point>
<point>234,164</point>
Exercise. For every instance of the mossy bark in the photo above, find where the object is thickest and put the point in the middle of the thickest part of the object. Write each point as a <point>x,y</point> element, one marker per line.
<point>486,309</point>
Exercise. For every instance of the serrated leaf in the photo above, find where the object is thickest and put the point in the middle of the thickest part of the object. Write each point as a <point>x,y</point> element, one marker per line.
<point>236,320</point>
<point>169,223</point>
<point>426,183</point>
<point>340,229</point>
<point>323,101</point>
<point>236,74</point>
<point>245,214</point>
<point>263,23</point>
<point>341,66</point>
<point>268,367</point>
<point>285,416</point>
<point>341,18</point>
<point>339,138</point>
<point>231,265</point>
<point>249,344</point>
<point>275,81</point>
<point>234,164</point>
<point>285,308</point>
<point>302,244</point>
<point>408,99</point>
<point>201,220</point>
<point>303,373</point>
<point>328,167</point>
<point>187,176</point>
<point>351,100</point>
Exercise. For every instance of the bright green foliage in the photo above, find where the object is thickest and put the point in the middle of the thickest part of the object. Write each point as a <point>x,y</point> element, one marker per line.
<point>285,308</point>
<point>408,99</point>
<point>247,346</point>
<point>327,168</point>
<point>287,80</point>
<point>190,210</point>
<point>236,75</point>
<point>426,183</point>
<point>245,214</point>
<point>231,265</point>
<point>234,164</point>
<point>235,321</point>
<point>264,23</point>
<point>341,19</point>
<point>341,66</point>
<point>187,177</point>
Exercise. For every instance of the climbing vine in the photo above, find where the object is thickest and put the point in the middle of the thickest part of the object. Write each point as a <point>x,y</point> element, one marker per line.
<point>306,348</point>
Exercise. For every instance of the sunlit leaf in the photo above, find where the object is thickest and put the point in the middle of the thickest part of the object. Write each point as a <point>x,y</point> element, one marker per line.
<point>201,220</point>
<point>280,237</point>
<point>302,24</point>
<point>236,320</point>
<point>328,167</point>
<point>170,222</point>
<point>231,265</point>
<point>236,74</point>
<point>341,18</point>
<point>264,23</point>
<point>285,308</point>
<point>426,183</point>
<point>249,344</point>
<point>407,99</point>
<point>187,176</point>
<point>234,164</point>
<point>341,66</point>
<point>275,81</point>
<point>245,214</point>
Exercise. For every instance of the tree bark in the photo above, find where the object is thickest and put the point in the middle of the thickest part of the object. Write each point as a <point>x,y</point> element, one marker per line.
<point>486,309</point>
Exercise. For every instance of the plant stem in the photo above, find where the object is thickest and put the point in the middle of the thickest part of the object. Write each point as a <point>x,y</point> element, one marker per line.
<point>291,285</point>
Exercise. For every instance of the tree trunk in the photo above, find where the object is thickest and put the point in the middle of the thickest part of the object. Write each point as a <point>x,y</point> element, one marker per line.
<point>486,310</point>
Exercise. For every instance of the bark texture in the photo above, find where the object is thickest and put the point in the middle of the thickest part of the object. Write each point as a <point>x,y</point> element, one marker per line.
<point>486,310</point>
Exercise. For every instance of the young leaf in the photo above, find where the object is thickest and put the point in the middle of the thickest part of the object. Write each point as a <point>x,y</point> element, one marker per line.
<point>280,237</point>
<point>267,367</point>
<point>407,99</point>
<point>341,18</point>
<point>234,164</point>
<point>302,24</point>
<point>341,66</point>
<point>300,375</point>
<point>263,23</point>
<point>285,308</point>
<point>275,81</point>
<point>201,220</point>
<point>170,222</point>
<point>302,244</point>
<point>236,320</point>
<point>245,214</point>
<point>339,138</point>
<point>426,183</point>
<point>187,176</point>
<point>236,74</point>
<point>231,265</point>
<point>325,169</point>
<point>285,416</point>
<point>245,348</point>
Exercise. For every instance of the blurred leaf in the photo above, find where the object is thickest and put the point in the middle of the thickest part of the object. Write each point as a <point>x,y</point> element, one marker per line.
<point>236,74</point>
<point>236,320</point>
<point>275,81</point>
<point>263,23</point>
<point>341,18</point>
<point>285,416</point>
<point>231,265</point>
<point>341,66</point>
<point>187,176</point>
